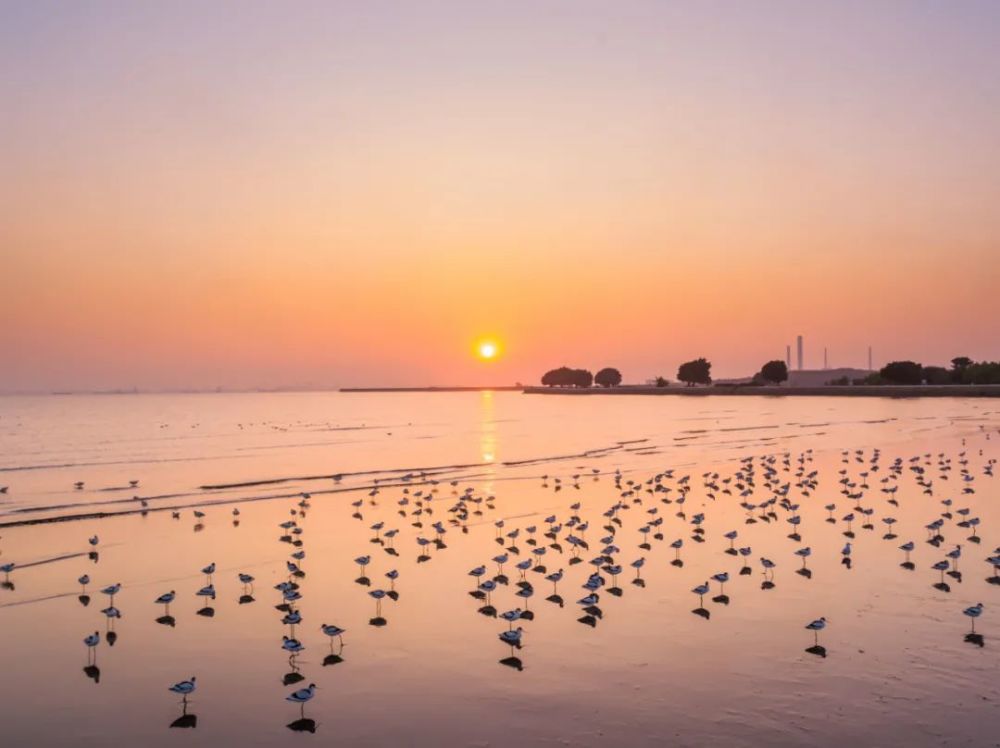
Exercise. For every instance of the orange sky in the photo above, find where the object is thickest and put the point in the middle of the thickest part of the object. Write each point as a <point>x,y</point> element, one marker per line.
<point>246,196</point>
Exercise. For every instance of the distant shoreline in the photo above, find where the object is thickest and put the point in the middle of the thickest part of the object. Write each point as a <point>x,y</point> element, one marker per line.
<point>505,388</point>
<point>882,390</point>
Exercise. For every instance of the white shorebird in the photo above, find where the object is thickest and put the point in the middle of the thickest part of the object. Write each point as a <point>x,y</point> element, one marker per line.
<point>92,641</point>
<point>209,570</point>
<point>292,646</point>
<point>816,626</point>
<point>93,540</point>
<point>84,581</point>
<point>184,687</point>
<point>333,631</point>
<point>511,615</point>
<point>512,637</point>
<point>973,613</point>
<point>165,599</point>
<point>701,590</point>
<point>302,696</point>
<point>112,590</point>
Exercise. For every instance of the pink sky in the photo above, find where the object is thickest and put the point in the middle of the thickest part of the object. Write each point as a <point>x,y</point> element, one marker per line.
<point>248,195</point>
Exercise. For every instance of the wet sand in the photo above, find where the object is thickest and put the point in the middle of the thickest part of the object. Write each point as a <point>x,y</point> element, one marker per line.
<point>647,670</point>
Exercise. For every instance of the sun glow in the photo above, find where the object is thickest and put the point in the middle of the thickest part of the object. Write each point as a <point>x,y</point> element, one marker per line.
<point>487,350</point>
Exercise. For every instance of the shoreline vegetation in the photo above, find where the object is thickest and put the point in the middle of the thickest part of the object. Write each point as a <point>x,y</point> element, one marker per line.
<point>965,378</point>
<point>861,390</point>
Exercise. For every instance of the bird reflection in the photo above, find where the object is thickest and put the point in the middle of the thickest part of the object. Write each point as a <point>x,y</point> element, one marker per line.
<point>167,621</point>
<point>93,672</point>
<point>513,662</point>
<point>302,725</point>
<point>189,721</point>
<point>335,657</point>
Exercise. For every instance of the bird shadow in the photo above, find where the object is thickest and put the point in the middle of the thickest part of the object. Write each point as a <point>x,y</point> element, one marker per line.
<point>167,621</point>
<point>942,586</point>
<point>588,621</point>
<point>188,721</point>
<point>746,571</point>
<point>378,622</point>
<point>557,599</point>
<point>93,672</point>
<point>84,600</point>
<point>302,725</point>
<point>528,615</point>
<point>976,639</point>
<point>767,585</point>
<point>704,613</point>
<point>721,599</point>
<point>513,662</point>
<point>246,599</point>
<point>639,582</point>
<point>908,565</point>
<point>807,573</point>
<point>332,659</point>
<point>207,612</point>
<point>293,677</point>
<point>489,611</point>
<point>817,649</point>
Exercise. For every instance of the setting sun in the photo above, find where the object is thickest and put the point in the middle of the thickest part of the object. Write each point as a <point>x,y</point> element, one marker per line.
<point>487,350</point>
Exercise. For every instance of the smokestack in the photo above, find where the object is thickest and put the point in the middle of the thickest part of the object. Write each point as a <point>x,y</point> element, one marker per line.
<point>798,341</point>
<point>870,359</point>
<point>788,357</point>
<point>825,364</point>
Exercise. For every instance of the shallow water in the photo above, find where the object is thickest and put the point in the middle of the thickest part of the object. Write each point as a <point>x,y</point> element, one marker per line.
<point>897,666</point>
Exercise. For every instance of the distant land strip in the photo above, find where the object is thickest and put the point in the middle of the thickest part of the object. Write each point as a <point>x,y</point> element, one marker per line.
<point>881,390</point>
<point>506,387</point>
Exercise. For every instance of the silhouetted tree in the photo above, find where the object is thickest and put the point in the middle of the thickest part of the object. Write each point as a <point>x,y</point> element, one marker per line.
<point>774,372</point>
<point>566,377</point>
<point>902,372</point>
<point>982,372</point>
<point>937,375</point>
<point>561,377</point>
<point>958,366</point>
<point>608,377</point>
<point>661,382</point>
<point>695,372</point>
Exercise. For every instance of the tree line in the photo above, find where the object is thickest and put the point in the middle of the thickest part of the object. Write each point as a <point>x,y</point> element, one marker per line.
<point>564,376</point>
<point>699,372</point>
<point>963,371</point>
<point>691,373</point>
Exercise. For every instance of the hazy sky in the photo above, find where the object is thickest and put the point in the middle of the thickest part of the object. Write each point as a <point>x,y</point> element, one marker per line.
<point>243,194</point>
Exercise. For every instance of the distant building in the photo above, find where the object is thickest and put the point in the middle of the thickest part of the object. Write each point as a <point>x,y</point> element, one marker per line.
<point>798,343</point>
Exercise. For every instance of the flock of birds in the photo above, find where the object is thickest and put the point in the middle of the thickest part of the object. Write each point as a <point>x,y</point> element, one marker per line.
<point>770,490</point>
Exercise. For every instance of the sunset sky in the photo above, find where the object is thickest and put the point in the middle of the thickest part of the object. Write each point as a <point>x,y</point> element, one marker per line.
<point>325,194</point>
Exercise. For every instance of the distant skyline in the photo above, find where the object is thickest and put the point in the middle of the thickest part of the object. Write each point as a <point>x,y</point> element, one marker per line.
<point>331,194</point>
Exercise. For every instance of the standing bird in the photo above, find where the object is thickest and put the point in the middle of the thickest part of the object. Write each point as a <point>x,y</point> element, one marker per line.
<point>816,626</point>
<point>184,688</point>
<point>165,599</point>
<point>333,631</point>
<point>973,613</point>
<point>301,696</point>
<point>92,641</point>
